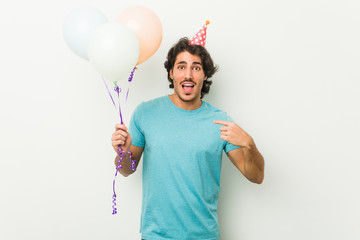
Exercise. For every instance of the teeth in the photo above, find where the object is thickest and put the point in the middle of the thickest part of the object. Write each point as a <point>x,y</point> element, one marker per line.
<point>188,85</point>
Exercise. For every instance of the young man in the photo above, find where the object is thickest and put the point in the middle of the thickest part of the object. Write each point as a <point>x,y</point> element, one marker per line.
<point>182,138</point>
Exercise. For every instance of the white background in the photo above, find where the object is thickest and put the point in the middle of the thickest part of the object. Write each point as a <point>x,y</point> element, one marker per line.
<point>289,75</point>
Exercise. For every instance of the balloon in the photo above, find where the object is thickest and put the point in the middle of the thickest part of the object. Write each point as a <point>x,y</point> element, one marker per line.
<point>113,50</point>
<point>147,27</point>
<point>78,26</point>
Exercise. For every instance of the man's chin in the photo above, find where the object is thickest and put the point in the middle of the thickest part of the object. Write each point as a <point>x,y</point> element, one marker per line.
<point>188,98</point>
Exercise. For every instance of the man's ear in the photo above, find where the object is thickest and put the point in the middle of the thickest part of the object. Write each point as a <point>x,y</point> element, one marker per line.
<point>171,74</point>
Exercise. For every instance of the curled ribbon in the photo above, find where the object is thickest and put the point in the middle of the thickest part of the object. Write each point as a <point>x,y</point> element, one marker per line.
<point>120,152</point>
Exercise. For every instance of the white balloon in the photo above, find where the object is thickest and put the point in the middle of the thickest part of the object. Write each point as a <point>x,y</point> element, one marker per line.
<point>114,50</point>
<point>78,27</point>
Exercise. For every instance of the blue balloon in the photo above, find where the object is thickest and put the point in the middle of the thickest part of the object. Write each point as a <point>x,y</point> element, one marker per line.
<point>78,27</point>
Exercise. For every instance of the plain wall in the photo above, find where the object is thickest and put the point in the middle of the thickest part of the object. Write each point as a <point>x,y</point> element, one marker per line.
<point>289,75</point>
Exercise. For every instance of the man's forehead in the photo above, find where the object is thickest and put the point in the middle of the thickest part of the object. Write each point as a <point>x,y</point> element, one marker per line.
<point>187,58</point>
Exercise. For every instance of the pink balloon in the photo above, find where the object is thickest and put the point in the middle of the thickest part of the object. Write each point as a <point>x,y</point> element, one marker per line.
<point>147,27</point>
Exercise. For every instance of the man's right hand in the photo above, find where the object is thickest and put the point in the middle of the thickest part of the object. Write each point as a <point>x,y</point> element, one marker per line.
<point>121,137</point>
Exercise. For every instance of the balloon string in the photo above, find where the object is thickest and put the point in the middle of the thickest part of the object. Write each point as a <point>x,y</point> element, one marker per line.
<point>129,82</point>
<point>112,99</point>
<point>118,90</point>
<point>132,74</point>
<point>120,152</point>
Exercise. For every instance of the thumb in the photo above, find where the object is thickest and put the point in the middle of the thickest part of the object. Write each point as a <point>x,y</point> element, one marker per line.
<point>121,127</point>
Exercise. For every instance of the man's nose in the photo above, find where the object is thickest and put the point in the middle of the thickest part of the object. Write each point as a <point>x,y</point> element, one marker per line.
<point>188,73</point>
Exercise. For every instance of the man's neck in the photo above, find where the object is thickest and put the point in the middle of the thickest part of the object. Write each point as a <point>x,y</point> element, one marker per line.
<point>186,105</point>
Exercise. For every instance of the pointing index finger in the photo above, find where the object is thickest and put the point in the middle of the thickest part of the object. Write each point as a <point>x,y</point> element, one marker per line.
<point>222,122</point>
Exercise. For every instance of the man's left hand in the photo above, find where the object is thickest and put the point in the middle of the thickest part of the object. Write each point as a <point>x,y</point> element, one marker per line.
<point>235,135</point>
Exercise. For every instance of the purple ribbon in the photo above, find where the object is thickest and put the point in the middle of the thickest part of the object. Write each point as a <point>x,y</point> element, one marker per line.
<point>120,152</point>
<point>129,80</point>
<point>118,91</point>
<point>132,74</point>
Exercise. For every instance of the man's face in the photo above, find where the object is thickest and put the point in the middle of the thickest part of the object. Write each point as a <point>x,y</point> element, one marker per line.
<point>188,76</point>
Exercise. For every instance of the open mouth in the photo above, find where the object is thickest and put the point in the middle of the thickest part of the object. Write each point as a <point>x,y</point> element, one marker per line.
<point>188,87</point>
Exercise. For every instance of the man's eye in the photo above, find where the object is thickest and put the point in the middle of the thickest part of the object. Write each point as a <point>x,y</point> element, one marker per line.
<point>197,68</point>
<point>181,67</point>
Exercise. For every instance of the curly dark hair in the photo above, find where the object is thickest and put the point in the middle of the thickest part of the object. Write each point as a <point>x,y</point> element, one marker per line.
<point>207,63</point>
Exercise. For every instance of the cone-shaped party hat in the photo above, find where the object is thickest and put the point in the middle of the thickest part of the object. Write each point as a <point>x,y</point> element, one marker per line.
<point>200,36</point>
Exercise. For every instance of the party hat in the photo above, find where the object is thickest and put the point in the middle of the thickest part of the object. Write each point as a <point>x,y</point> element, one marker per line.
<point>200,36</point>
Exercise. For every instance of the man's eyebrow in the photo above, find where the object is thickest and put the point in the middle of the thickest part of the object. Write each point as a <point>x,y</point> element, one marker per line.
<point>184,62</point>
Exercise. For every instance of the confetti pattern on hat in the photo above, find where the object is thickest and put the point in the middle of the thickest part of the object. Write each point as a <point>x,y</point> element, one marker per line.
<point>200,36</point>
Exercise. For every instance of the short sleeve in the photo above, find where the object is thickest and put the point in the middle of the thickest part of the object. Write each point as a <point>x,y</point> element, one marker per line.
<point>228,146</point>
<point>135,130</point>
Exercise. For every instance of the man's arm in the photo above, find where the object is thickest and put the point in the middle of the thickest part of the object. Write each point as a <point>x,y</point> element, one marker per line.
<point>250,162</point>
<point>126,162</point>
<point>247,158</point>
<point>123,139</point>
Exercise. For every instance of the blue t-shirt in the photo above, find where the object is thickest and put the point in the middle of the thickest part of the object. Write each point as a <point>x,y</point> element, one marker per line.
<point>181,169</point>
